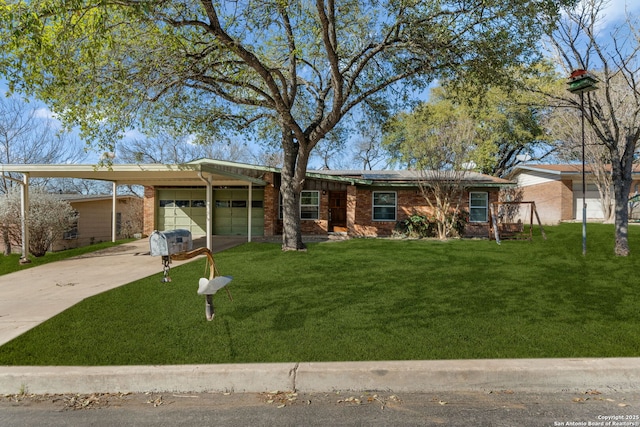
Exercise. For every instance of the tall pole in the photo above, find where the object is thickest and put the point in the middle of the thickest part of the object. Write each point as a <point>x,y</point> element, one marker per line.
<point>584,185</point>
<point>581,81</point>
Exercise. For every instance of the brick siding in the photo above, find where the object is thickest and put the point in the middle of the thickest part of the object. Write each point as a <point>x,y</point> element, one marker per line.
<point>149,210</point>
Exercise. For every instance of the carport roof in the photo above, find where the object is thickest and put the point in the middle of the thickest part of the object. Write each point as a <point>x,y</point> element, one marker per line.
<point>186,174</point>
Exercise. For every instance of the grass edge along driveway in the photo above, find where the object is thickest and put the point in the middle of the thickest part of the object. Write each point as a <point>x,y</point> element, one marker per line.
<point>11,263</point>
<point>364,299</point>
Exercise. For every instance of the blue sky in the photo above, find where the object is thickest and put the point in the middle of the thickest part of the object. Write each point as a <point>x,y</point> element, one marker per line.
<point>615,12</point>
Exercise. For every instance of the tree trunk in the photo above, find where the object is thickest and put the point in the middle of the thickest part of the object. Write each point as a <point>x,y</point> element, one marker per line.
<point>622,226</point>
<point>621,187</point>
<point>7,241</point>
<point>290,187</point>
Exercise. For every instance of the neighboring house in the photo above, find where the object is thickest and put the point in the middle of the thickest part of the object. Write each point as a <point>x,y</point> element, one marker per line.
<point>95,221</point>
<point>557,191</point>
<point>225,198</point>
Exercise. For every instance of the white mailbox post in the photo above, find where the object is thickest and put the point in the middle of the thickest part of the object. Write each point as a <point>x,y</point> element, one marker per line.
<point>178,244</point>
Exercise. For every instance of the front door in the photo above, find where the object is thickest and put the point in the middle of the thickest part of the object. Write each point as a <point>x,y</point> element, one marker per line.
<point>338,211</point>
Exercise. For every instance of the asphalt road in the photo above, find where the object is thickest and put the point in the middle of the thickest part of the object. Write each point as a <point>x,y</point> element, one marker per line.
<point>506,408</point>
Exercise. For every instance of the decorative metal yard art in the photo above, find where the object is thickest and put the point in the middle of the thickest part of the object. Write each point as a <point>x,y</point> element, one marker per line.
<point>580,81</point>
<point>177,245</point>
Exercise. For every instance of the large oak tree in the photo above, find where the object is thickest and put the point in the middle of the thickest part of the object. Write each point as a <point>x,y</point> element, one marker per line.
<point>286,70</point>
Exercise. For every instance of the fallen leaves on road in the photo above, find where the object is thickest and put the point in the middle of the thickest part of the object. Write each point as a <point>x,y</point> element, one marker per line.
<point>281,398</point>
<point>369,399</point>
<point>88,401</point>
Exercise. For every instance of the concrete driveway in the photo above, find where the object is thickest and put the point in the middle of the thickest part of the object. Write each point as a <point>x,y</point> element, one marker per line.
<point>33,295</point>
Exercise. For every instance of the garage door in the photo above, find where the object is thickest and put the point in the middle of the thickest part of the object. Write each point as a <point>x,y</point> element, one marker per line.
<point>594,204</point>
<point>231,212</point>
<point>182,209</point>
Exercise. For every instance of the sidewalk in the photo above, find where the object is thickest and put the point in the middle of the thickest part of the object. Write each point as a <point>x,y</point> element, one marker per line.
<point>33,295</point>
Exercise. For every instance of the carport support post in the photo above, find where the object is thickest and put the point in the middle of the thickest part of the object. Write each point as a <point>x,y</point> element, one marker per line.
<point>250,211</point>
<point>209,211</point>
<point>24,206</point>
<point>114,200</point>
<point>209,181</point>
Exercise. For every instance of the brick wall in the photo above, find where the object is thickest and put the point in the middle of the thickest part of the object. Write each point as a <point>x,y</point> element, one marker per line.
<point>271,196</point>
<point>410,201</point>
<point>554,200</point>
<point>149,210</point>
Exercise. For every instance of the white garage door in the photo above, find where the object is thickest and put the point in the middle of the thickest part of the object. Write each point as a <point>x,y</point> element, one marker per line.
<point>594,205</point>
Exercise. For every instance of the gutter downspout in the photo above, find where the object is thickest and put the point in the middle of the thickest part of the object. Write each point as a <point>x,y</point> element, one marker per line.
<point>209,182</point>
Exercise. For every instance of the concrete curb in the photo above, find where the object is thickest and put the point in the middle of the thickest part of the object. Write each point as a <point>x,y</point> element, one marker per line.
<point>532,375</point>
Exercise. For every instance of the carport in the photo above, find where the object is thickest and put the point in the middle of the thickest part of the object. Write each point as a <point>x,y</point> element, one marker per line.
<point>204,173</point>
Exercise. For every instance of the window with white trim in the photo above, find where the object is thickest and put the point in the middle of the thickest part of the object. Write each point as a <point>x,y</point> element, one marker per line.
<point>72,232</point>
<point>310,205</point>
<point>478,206</point>
<point>384,205</point>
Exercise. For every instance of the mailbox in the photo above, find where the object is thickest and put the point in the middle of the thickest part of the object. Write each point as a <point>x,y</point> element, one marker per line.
<point>167,243</point>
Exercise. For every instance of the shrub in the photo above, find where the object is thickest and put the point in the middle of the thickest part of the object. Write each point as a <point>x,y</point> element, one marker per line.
<point>459,222</point>
<point>416,226</point>
<point>48,218</point>
<point>421,226</point>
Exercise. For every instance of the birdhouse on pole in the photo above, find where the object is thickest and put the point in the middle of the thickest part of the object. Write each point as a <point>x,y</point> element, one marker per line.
<point>581,81</point>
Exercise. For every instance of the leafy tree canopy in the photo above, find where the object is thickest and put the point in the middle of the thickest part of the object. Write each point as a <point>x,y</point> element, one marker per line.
<point>276,70</point>
<point>456,126</point>
<point>106,65</point>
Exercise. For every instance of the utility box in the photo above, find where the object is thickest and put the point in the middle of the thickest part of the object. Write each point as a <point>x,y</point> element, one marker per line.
<point>167,243</point>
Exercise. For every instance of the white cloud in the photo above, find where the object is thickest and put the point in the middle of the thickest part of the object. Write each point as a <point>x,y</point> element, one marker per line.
<point>44,113</point>
<point>616,11</point>
<point>134,134</point>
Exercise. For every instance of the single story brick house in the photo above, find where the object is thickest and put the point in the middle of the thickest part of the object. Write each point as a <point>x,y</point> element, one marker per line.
<point>355,203</point>
<point>557,191</point>
<point>213,197</point>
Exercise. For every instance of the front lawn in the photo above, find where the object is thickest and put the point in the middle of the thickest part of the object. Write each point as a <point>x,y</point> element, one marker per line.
<point>365,300</point>
<point>11,263</point>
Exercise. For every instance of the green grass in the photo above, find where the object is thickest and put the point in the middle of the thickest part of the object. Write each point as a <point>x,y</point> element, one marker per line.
<point>365,300</point>
<point>11,263</point>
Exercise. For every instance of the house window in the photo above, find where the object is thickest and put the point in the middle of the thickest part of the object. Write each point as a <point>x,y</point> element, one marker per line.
<point>72,233</point>
<point>310,205</point>
<point>478,207</point>
<point>384,205</point>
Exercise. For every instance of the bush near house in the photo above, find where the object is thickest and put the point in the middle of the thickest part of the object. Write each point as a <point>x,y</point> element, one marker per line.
<point>425,226</point>
<point>48,218</point>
